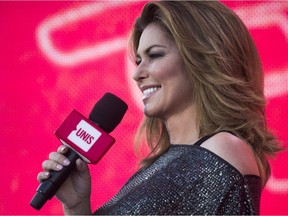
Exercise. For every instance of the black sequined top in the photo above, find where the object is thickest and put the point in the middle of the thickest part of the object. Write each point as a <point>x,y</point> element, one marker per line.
<point>187,180</point>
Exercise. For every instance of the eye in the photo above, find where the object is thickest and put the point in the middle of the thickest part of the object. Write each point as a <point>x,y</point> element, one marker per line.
<point>150,56</point>
<point>138,61</point>
<point>155,55</point>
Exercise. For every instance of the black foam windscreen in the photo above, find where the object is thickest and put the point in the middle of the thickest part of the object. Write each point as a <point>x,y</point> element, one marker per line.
<point>108,112</point>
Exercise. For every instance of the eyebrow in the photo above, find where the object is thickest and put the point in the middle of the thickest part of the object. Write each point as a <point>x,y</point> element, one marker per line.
<point>151,47</point>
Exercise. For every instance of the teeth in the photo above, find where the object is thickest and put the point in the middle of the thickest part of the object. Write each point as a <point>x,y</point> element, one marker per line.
<point>150,90</point>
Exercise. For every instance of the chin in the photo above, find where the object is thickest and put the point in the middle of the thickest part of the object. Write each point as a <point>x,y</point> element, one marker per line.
<point>147,113</point>
<point>151,114</point>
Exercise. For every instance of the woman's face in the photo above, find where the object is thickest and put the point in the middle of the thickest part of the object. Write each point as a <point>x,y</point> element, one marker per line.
<point>161,75</point>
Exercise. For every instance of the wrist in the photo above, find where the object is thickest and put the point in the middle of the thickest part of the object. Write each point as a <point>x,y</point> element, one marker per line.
<point>83,208</point>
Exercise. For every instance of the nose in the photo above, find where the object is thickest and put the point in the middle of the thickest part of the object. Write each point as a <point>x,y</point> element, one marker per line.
<point>140,73</point>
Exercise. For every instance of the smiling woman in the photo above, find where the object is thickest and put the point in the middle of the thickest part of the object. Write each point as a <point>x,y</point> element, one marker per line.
<point>202,84</point>
<point>161,76</point>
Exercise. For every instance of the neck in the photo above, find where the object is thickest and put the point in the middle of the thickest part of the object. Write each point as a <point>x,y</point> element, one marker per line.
<point>182,128</point>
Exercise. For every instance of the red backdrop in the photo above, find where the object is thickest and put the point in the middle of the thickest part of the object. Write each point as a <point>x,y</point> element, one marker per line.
<point>59,56</point>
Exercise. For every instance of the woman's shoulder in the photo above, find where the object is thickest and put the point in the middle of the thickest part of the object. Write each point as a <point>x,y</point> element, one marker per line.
<point>234,150</point>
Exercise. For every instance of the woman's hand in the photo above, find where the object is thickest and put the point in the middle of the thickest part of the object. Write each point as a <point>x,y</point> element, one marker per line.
<point>75,192</point>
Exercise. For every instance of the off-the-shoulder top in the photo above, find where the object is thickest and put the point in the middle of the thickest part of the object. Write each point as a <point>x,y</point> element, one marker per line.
<point>187,179</point>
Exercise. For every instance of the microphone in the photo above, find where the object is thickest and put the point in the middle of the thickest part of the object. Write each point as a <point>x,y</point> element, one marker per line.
<point>86,139</point>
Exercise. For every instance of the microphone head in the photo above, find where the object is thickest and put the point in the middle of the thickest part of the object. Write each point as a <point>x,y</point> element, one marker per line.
<point>108,112</point>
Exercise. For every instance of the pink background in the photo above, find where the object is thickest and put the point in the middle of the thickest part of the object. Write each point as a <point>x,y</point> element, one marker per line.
<point>59,56</point>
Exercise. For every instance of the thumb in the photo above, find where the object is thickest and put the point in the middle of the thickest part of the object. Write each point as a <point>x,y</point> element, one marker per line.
<point>83,169</point>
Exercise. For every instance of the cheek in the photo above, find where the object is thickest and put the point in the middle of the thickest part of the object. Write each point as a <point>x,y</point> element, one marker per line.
<point>164,72</point>
<point>171,68</point>
<point>183,84</point>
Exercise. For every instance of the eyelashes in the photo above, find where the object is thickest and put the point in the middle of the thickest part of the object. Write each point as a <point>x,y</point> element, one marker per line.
<point>138,61</point>
<point>151,57</point>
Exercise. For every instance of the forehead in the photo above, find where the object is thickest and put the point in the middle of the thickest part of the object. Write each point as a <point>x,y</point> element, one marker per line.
<point>154,34</point>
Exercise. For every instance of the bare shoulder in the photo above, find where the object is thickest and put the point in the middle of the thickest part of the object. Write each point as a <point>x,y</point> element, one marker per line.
<point>234,150</point>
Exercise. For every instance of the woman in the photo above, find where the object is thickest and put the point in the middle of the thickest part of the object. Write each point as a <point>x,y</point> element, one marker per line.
<point>202,85</point>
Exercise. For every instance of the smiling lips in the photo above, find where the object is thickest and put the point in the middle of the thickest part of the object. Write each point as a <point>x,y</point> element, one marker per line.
<point>149,91</point>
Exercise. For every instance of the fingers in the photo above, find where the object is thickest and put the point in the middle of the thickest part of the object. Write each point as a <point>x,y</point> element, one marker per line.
<point>62,149</point>
<point>56,162</point>
<point>43,176</point>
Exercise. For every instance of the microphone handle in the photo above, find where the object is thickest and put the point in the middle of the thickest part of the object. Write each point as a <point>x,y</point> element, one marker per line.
<point>48,188</point>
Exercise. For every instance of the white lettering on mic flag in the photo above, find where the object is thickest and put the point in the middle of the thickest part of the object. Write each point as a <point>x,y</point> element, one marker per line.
<point>84,136</point>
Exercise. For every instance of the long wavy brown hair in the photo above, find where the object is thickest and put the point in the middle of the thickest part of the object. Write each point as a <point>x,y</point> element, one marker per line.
<point>225,70</point>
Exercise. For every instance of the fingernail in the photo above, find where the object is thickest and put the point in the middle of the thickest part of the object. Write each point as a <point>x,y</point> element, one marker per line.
<point>46,173</point>
<point>63,148</point>
<point>59,167</point>
<point>66,162</point>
